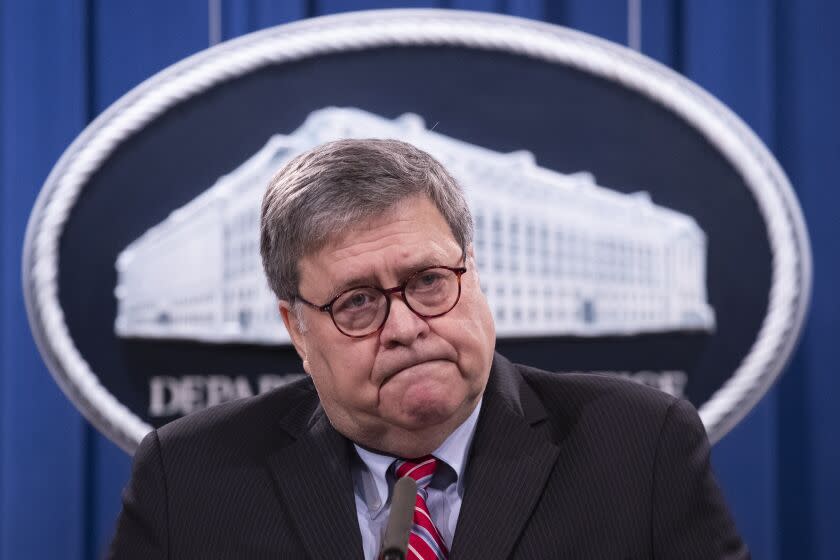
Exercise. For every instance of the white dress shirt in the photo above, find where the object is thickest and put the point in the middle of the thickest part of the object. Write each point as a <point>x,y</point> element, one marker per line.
<point>373,482</point>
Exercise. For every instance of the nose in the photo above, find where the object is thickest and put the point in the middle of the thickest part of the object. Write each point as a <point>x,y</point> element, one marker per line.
<point>403,326</point>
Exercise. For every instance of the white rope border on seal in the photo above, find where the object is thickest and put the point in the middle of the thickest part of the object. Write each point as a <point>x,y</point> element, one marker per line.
<point>791,264</point>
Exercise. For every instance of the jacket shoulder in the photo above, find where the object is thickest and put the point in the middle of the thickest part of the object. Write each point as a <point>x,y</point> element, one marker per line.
<point>602,400</point>
<point>277,416</point>
<point>589,386</point>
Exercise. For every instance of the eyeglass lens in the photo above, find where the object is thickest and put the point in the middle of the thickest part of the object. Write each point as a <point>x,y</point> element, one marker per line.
<point>430,292</point>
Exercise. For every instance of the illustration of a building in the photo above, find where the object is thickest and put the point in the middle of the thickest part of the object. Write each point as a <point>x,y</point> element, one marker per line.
<point>557,254</point>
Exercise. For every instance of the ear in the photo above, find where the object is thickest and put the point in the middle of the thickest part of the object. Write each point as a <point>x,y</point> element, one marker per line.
<point>472,266</point>
<point>469,260</point>
<point>287,313</point>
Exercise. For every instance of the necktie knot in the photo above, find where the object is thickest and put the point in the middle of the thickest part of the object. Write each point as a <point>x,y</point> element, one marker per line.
<point>421,470</point>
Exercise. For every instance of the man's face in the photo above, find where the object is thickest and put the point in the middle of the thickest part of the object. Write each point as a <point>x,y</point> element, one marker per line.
<point>414,375</point>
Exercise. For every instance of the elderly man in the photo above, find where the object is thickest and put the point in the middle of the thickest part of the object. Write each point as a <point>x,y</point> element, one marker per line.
<point>367,245</point>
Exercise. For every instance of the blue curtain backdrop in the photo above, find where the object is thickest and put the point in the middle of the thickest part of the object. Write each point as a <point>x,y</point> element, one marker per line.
<point>771,61</point>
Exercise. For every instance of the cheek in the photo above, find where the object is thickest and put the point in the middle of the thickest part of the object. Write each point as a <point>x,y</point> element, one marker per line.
<point>343,370</point>
<point>473,335</point>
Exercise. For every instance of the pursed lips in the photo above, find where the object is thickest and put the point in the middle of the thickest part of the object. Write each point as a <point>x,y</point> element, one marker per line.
<point>410,364</point>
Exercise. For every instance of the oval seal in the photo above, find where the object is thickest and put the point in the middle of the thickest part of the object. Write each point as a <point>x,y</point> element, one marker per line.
<point>626,221</point>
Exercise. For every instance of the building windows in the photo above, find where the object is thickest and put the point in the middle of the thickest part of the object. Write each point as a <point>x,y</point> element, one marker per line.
<point>513,245</point>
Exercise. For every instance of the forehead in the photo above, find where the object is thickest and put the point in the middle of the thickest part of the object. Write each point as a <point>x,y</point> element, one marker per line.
<point>383,248</point>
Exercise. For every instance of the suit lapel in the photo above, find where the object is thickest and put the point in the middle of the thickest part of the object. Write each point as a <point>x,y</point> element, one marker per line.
<point>509,464</point>
<point>314,478</point>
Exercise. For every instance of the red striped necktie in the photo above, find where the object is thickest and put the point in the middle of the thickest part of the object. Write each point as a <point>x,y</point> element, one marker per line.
<point>424,542</point>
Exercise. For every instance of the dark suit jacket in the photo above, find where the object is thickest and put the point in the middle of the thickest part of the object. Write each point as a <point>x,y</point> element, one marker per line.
<point>562,466</point>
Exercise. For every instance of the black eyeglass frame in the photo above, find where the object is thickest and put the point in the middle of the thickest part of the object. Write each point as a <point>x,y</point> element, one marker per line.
<point>327,307</point>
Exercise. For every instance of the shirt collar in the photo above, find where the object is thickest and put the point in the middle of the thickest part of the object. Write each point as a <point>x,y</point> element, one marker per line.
<point>453,451</point>
<point>455,448</point>
<point>372,482</point>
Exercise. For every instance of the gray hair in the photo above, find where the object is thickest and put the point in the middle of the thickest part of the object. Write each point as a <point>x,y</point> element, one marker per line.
<point>323,192</point>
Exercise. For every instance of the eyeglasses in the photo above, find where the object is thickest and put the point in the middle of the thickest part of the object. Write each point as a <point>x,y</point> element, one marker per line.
<point>363,310</point>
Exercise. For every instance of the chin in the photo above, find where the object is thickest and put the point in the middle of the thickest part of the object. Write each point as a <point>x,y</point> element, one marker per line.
<point>427,412</point>
<point>427,416</point>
